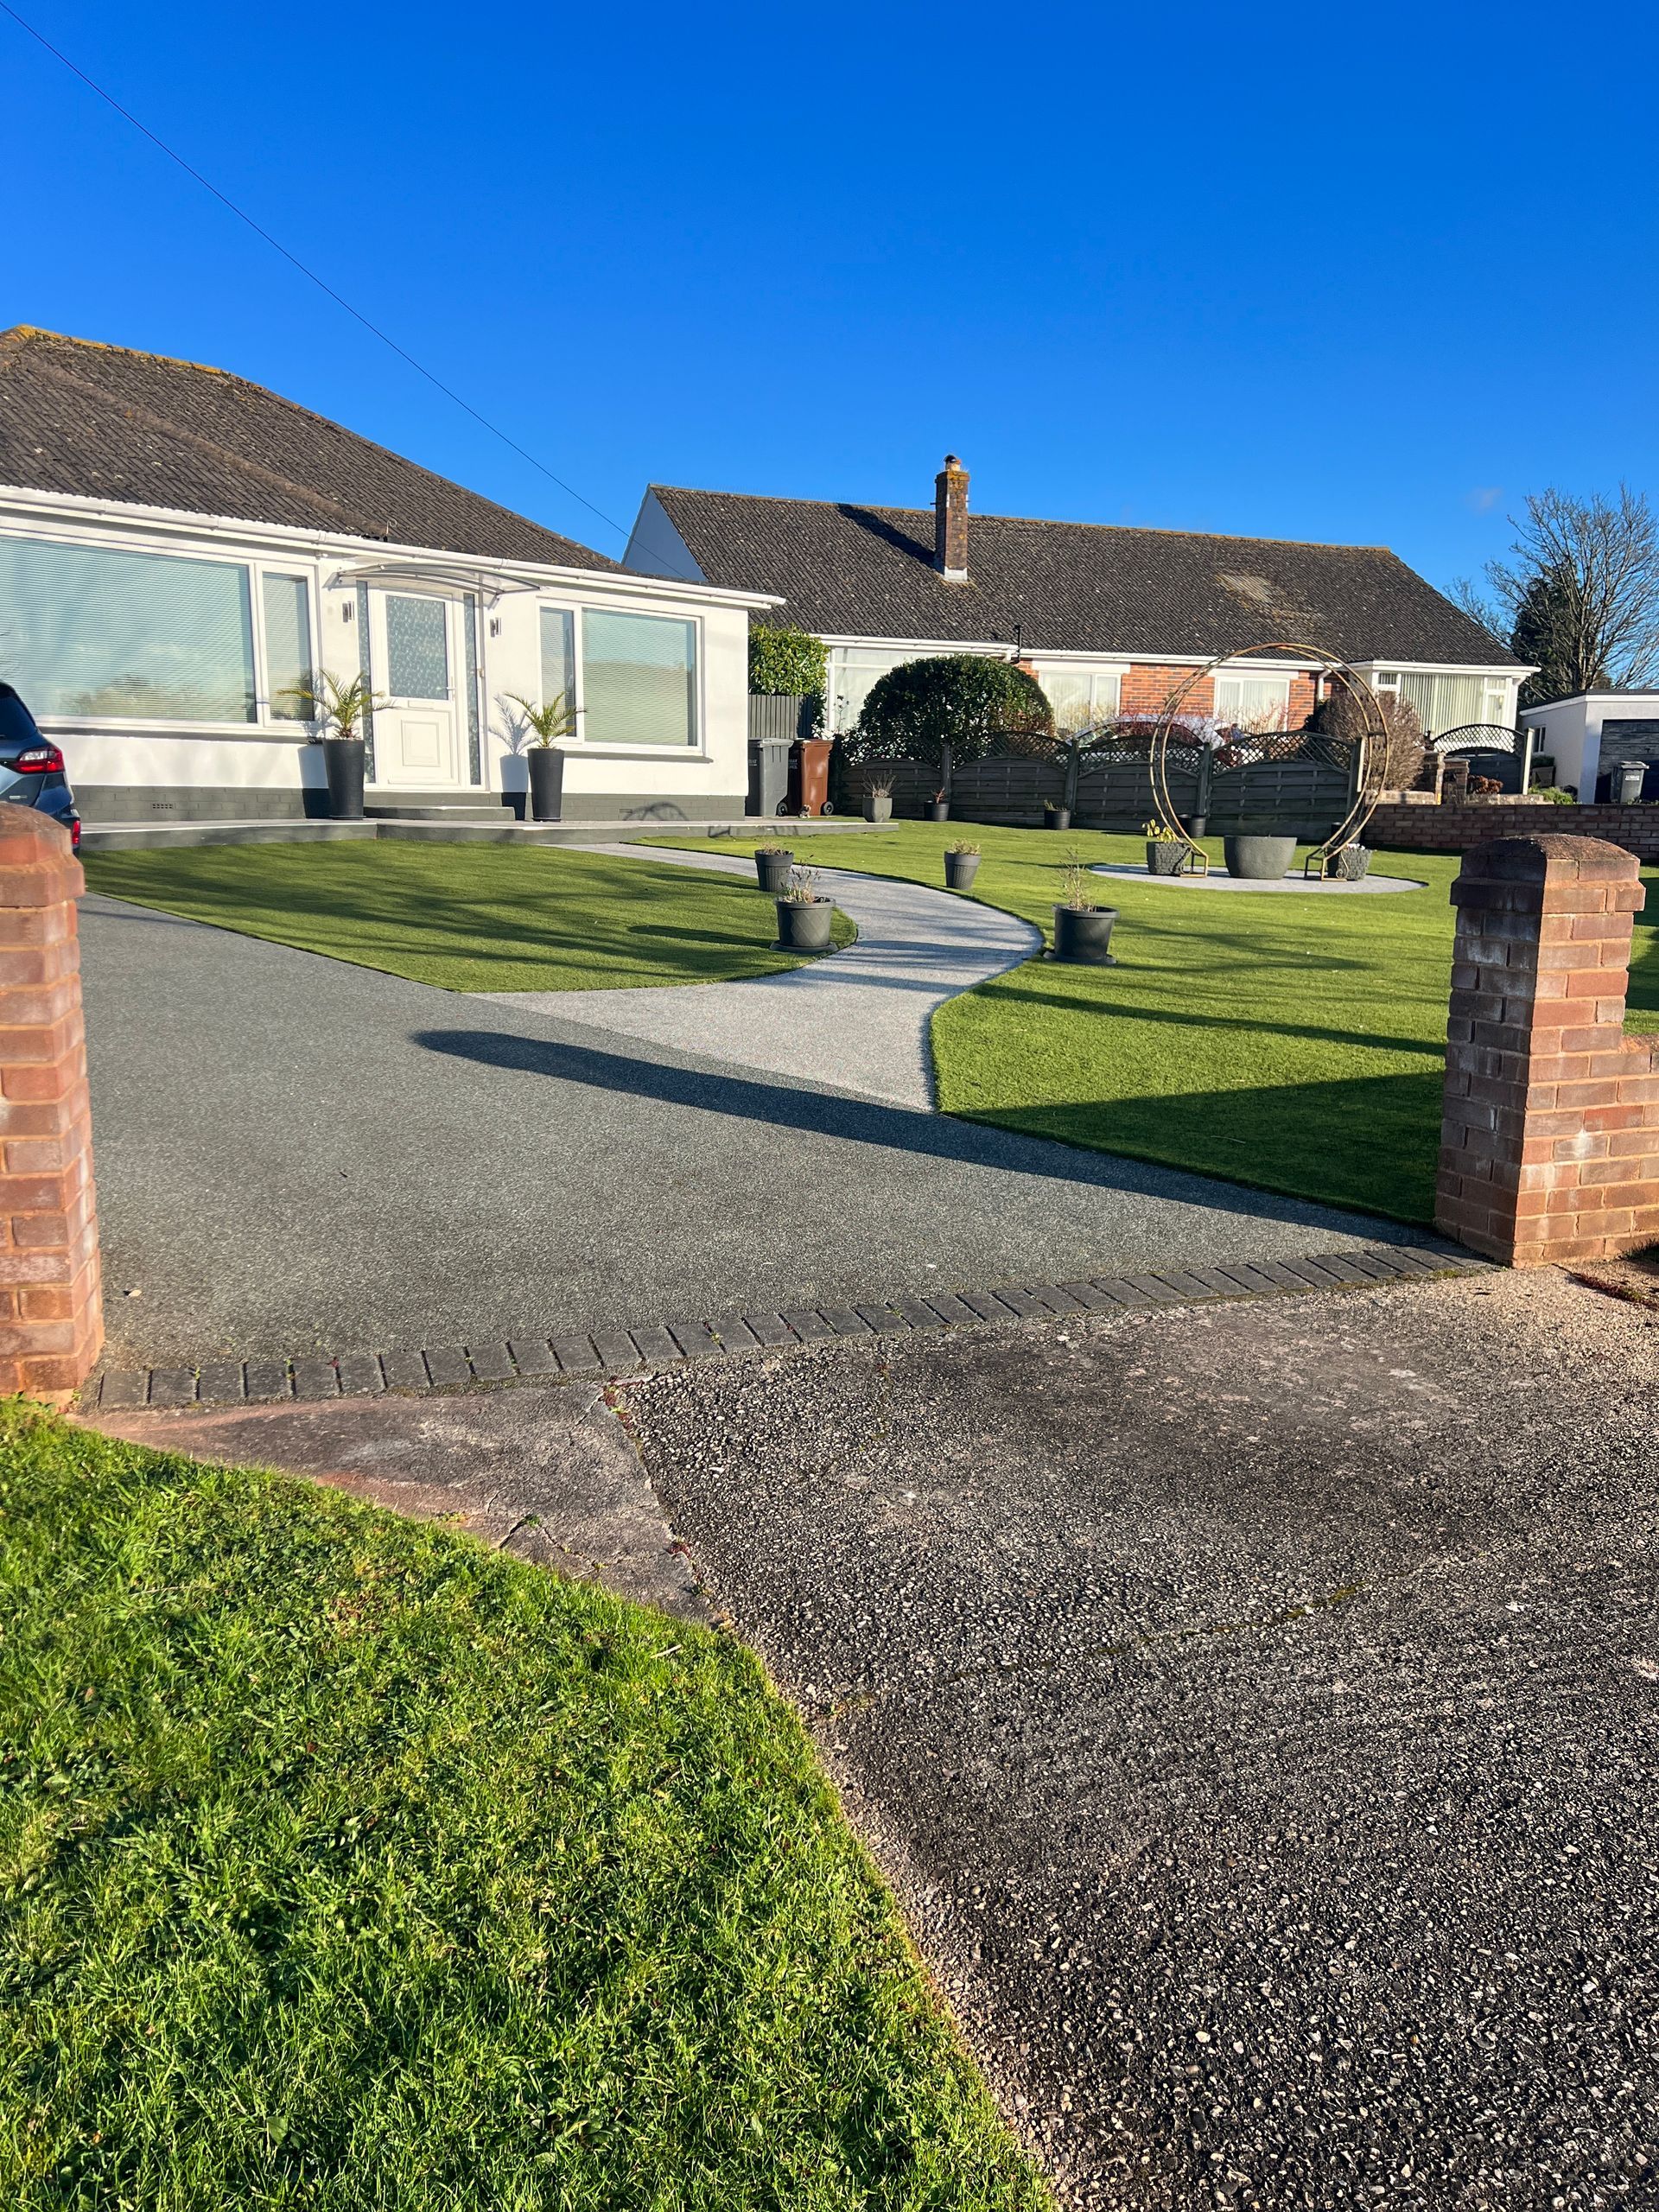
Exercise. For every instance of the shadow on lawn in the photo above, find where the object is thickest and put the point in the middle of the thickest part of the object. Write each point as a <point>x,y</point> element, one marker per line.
<point>1186,1138</point>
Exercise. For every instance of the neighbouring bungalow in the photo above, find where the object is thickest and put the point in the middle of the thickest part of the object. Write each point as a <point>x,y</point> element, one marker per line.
<point>179,548</point>
<point>1111,619</point>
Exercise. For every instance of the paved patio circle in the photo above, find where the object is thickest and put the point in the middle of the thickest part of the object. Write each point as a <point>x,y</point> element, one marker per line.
<point>1218,879</point>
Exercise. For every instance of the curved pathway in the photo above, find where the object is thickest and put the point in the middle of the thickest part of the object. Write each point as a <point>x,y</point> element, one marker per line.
<point>856,1020</point>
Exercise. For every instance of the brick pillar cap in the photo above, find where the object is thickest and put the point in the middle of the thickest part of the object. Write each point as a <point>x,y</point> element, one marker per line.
<point>31,840</point>
<point>1529,860</point>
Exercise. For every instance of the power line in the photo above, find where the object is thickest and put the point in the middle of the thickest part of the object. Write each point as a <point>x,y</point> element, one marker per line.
<point>277,245</point>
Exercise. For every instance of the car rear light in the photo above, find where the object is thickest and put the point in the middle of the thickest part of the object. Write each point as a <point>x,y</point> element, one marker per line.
<point>74,832</point>
<point>40,759</point>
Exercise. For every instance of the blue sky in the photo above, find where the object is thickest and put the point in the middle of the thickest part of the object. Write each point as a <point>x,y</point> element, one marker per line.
<point>1367,273</point>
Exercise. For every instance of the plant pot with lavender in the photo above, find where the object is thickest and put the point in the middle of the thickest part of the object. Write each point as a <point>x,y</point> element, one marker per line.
<point>545,762</point>
<point>1350,863</point>
<point>1166,849</point>
<point>772,867</point>
<point>1083,927</point>
<point>961,864</point>
<point>804,915</point>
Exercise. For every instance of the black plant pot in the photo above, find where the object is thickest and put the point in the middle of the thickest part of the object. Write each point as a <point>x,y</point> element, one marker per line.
<point>1082,936</point>
<point>342,763</point>
<point>1057,817</point>
<point>1259,859</point>
<point>939,810</point>
<point>802,928</point>
<point>960,869</point>
<point>773,871</point>
<point>1164,858</point>
<point>546,782</point>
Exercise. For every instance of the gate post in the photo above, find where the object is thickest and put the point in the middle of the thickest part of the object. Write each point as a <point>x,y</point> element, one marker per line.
<point>1549,1147</point>
<point>51,1309</point>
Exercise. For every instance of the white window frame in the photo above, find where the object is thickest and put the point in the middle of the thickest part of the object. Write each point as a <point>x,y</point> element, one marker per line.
<point>698,747</point>
<point>263,725</point>
<point>1252,676</point>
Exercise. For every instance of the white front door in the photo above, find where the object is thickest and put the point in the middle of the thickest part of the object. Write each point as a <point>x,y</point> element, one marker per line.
<point>412,652</point>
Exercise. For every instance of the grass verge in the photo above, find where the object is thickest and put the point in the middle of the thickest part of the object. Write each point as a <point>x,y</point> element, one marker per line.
<point>1294,1042</point>
<point>469,917</point>
<point>345,1865</point>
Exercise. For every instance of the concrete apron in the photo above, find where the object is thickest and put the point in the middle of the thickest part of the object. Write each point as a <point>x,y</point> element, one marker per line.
<point>857,1020</point>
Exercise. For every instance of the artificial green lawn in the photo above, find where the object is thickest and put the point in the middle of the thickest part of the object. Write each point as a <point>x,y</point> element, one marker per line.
<point>469,917</point>
<point>347,1865</point>
<point>1294,1042</point>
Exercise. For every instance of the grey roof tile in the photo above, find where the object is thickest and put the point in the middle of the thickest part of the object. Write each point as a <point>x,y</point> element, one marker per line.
<point>104,421</point>
<point>849,571</point>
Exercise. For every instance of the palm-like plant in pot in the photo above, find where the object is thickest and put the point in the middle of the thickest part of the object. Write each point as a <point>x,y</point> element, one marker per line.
<point>543,726</point>
<point>342,706</point>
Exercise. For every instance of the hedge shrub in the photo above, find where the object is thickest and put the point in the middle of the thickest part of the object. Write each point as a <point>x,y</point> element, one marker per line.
<point>965,700</point>
<point>786,663</point>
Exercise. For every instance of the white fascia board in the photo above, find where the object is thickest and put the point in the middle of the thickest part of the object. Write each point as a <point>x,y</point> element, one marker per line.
<point>1520,671</point>
<point>258,537</point>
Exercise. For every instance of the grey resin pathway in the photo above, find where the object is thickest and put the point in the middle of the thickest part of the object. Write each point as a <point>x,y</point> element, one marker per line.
<point>856,1020</point>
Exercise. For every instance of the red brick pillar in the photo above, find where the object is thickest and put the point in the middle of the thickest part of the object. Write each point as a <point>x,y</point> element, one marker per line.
<point>51,1309</point>
<point>1550,1148</point>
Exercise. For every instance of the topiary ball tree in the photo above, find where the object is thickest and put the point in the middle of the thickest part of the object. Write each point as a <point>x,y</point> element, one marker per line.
<point>964,700</point>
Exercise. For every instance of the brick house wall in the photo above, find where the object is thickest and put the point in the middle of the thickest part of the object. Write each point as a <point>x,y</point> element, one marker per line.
<point>1148,686</point>
<point>1549,1147</point>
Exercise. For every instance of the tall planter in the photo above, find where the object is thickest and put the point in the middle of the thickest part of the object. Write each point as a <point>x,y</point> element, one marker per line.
<point>546,783</point>
<point>342,763</point>
<point>1082,936</point>
<point>877,807</point>
<point>960,869</point>
<point>772,870</point>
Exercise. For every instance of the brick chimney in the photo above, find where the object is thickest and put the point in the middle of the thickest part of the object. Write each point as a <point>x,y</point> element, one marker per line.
<point>950,520</point>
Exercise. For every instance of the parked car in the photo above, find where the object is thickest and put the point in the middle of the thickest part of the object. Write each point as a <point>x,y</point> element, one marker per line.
<point>32,772</point>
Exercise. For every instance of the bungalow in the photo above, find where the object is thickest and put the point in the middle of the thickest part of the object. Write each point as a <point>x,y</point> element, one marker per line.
<point>179,548</point>
<point>1111,619</point>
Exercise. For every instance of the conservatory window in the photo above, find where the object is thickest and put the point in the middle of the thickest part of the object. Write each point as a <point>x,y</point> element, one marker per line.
<point>287,603</point>
<point>95,632</point>
<point>638,679</point>
<point>1253,702</point>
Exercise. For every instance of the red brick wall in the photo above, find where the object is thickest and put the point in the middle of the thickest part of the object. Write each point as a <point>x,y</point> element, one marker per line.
<point>1458,828</point>
<point>1549,1147</point>
<point>1147,688</point>
<point>51,1313</point>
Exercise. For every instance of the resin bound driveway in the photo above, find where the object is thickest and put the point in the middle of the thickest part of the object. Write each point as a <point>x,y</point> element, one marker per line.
<point>297,1154</point>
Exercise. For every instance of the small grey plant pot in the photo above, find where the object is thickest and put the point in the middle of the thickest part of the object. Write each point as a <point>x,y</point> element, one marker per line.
<point>1082,936</point>
<point>771,870</point>
<point>938,809</point>
<point>805,929</point>
<point>1258,859</point>
<point>1163,858</point>
<point>960,869</point>
<point>877,810</point>
<point>1352,863</point>
<point>1057,817</point>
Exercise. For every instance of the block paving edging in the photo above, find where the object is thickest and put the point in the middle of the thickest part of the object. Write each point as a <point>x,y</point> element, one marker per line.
<point>317,1377</point>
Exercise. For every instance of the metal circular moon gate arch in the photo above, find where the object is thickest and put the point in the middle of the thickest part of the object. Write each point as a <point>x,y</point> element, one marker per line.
<point>1373,745</point>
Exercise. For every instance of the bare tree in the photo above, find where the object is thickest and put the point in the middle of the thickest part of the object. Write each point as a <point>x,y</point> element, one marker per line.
<point>1579,594</point>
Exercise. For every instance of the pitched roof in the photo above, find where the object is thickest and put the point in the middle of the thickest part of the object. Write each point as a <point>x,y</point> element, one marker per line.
<point>105,423</point>
<point>1074,586</point>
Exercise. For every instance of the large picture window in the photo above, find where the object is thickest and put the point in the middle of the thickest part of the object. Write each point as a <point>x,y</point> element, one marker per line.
<point>638,679</point>
<point>88,631</point>
<point>1252,703</point>
<point>1444,702</point>
<point>1081,697</point>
